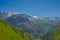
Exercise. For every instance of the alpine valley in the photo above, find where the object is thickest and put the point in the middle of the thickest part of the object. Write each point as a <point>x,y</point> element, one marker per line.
<point>14,26</point>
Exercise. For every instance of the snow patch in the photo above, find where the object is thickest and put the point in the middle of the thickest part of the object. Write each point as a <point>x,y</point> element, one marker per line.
<point>36,17</point>
<point>9,14</point>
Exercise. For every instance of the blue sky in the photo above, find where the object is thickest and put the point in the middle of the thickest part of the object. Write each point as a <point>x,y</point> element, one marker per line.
<point>43,8</point>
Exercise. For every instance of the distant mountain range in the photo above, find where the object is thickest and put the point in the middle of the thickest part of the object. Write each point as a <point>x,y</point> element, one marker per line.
<point>35,26</point>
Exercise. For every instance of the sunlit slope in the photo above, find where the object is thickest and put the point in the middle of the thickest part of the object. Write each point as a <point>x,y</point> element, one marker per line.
<point>7,33</point>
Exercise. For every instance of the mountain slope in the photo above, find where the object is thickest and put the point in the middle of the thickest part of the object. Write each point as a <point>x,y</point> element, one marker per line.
<point>36,27</point>
<point>55,34</point>
<point>7,33</point>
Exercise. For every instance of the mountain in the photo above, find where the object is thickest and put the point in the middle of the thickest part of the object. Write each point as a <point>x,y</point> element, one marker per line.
<point>8,32</point>
<point>4,15</point>
<point>35,26</point>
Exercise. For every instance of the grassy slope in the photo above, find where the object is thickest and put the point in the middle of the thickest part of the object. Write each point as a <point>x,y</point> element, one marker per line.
<point>7,33</point>
<point>55,34</point>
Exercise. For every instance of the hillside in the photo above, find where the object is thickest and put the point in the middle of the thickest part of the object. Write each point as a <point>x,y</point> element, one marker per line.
<point>55,34</point>
<point>7,33</point>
